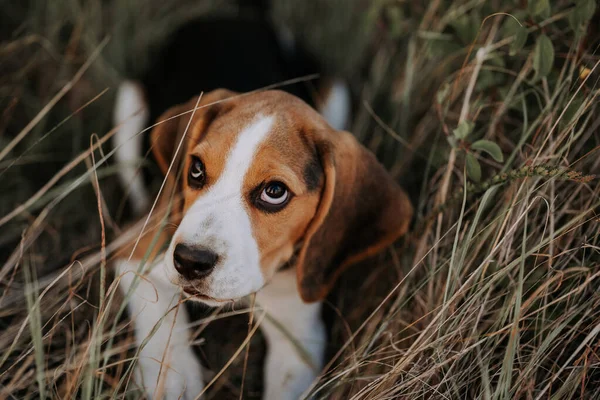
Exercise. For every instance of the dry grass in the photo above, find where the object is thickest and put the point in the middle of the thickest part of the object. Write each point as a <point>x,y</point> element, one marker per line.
<point>494,294</point>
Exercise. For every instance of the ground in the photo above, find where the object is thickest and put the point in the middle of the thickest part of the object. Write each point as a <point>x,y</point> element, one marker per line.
<point>485,111</point>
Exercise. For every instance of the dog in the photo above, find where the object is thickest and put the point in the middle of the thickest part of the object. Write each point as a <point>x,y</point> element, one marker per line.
<point>261,194</point>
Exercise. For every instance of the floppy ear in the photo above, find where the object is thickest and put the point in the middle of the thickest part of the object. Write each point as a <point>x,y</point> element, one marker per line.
<point>167,136</point>
<point>362,210</point>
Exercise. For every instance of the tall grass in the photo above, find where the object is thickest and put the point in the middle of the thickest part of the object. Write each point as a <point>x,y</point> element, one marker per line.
<point>495,292</point>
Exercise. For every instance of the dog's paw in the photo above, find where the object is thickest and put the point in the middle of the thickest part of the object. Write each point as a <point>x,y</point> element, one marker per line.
<point>179,378</point>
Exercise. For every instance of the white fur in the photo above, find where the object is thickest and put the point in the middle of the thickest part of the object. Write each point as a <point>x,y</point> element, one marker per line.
<point>287,373</point>
<point>294,332</point>
<point>153,305</point>
<point>336,107</point>
<point>219,221</point>
<point>130,116</point>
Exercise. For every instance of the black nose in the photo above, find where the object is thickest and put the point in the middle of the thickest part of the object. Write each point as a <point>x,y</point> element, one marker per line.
<point>193,263</point>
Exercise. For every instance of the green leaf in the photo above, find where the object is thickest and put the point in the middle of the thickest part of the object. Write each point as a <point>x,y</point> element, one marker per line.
<point>574,20</point>
<point>489,147</point>
<point>452,141</point>
<point>543,57</point>
<point>473,168</point>
<point>466,27</point>
<point>441,47</point>
<point>512,27</point>
<point>463,129</point>
<point>519,41</point>
<point>462,26</point>
<point>581,14</point>
<point>539,8</point>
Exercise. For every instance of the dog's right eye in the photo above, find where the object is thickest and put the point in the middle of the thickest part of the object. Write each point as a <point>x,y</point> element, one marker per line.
<point>197,174</point>
<point>272,197</point>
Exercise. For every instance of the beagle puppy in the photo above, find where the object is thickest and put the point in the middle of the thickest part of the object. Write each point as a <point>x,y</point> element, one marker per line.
<point>261,195</point>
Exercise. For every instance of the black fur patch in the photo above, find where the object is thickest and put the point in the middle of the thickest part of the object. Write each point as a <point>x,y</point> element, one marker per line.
<point>312,173</point>
<point>313,170</point>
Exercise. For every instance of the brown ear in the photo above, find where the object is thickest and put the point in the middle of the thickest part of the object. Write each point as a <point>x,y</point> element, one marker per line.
<point>167,135</point>
<point>362,210</point>
<point>172,124</point>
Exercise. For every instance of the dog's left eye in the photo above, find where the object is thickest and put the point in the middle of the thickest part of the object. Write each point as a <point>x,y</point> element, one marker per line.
<point>197,175</point>
<point>273,196</point>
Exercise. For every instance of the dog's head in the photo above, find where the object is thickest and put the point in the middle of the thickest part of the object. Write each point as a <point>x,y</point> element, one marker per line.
<point>267,183</point>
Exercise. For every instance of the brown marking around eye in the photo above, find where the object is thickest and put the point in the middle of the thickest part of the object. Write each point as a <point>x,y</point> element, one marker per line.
<point>283,157</point>
<point>212,146</point>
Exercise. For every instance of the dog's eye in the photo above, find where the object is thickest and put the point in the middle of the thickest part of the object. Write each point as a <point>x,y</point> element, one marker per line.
<point>197,175</point>
<point>274,193</point>
<point>274,196</point>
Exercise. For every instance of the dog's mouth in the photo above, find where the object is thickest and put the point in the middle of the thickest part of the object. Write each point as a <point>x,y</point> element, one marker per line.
<point>196,295</point>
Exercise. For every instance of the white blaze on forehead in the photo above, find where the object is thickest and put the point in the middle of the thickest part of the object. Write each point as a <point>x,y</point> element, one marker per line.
<point>241,155</point>
<point>219,221</point>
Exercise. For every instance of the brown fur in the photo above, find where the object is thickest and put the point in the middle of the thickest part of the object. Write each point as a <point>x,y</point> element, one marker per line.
<point>345,206</point>
<point>282,158</point>
<point>362,210</point>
